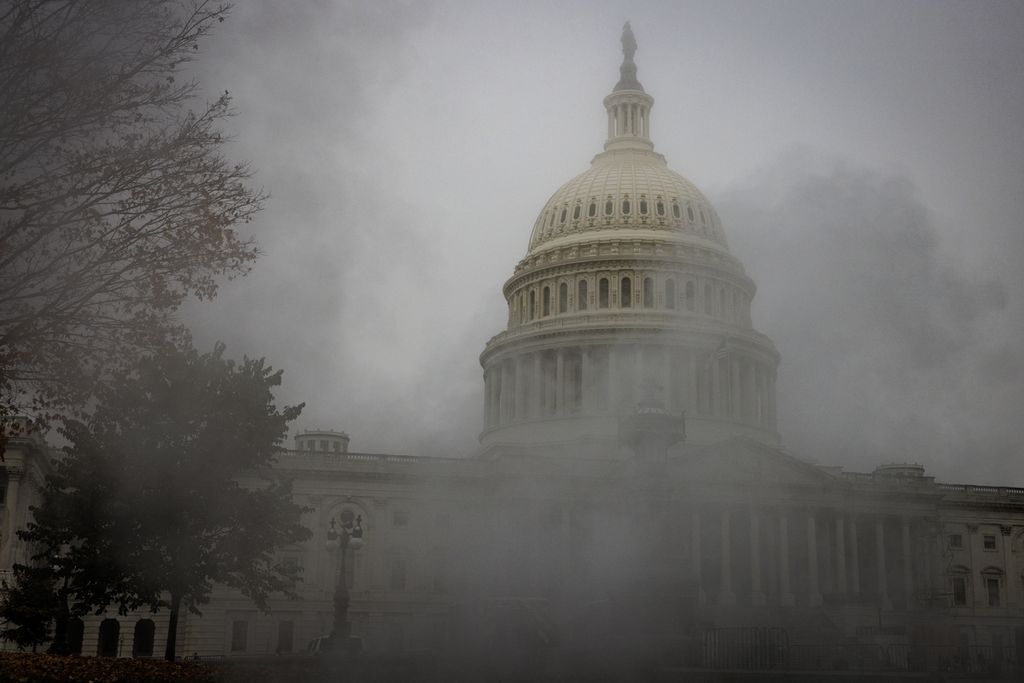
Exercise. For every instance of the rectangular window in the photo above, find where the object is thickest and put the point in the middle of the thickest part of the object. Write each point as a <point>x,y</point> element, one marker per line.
<point>959,591</point>
<point>956,541</point>
<point>285,636</point>
<point>397,574</point>
<point>239,635</point>
<point>992,585</point>
<point>989,542</point>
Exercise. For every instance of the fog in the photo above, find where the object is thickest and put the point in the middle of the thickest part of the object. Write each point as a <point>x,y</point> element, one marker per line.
<point>865,159</point>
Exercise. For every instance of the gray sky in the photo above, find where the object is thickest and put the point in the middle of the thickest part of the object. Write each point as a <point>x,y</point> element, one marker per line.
<point>867,159</point>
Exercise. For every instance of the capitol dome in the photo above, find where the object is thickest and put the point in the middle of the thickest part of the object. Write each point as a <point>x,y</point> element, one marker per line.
<point>627,294</point>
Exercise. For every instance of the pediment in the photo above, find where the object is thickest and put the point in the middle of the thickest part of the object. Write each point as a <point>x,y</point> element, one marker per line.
<point>747,462</point>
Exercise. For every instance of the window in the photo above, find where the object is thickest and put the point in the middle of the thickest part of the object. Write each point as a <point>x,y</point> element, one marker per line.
<point>626,293</point>
<point>337,445</point>
<point>563,298</point>
<point>107,644</point>
<point>592,210</point>
<point>546,301</point>
<point>670,293</point>
<point>988,542</point>
<point>400,518</point>
<point>956,541</point>
<point>992,588</point>
<point>689,213</point>
<point>602,293</point>
<point>625,207</point>
<point>581,296</point>
<point>576,212</point>
<point>659,207</point>
<point>142,640</point>
<point>239,635</point>
<point>323,444</point>
<point>643,206</point>
<point>959,591</point>
<point>675,211</point>
<point>565,212</point>
<point>285,636</point>
<point>707,299</point>
<point>397,581</point>
<point>608,208</point>
<point>689,296</point>
<point>533,304</point>
<point>648,292</point>
<point>311,444</point>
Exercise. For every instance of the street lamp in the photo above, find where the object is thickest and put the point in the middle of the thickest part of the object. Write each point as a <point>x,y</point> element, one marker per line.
<point>350,535</point>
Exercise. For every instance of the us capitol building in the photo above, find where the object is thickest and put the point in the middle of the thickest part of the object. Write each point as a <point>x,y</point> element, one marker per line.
<point>630,489</point>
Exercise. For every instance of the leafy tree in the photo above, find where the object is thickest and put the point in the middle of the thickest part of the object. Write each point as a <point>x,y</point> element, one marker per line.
<point>29,606</point>
<point>116,203</point>
<point>167,489</point>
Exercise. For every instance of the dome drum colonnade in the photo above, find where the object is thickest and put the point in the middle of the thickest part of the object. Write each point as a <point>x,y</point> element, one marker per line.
<point>628,281</point>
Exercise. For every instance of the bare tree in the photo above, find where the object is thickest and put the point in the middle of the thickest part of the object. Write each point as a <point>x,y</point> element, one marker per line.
<point>116,203</point>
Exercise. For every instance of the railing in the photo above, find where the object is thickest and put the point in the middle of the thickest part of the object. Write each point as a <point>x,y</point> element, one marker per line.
<point>839,657</point>
<point>972,659</point>
<point>745,648</point>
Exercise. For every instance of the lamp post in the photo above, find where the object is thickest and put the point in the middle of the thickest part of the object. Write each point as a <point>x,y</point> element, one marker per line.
<point>350,535</point>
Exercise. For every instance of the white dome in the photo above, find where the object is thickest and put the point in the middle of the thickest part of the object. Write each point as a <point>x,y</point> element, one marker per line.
<point>630,191</point>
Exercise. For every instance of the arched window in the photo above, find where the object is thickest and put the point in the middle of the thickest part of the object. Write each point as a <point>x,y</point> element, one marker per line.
<point>625,293</point>
<point>533,304</point>
<point>608,208</point>
<point>690,296</point>
<point>648,292</point>
<point>707,299</point>
<point>581,296</point>
<point>675,211</point>
<point>702,221</point>
<point>551,219</point>
<point>602,293</point>
<point>592,209</point>
<point>625,207</point>
<point>563,298</point>
<point>546,301</point>
<point>660,208</point>
<point>643,206</point>
<point>670,293</point>
<point>142,642</point>
<point>993,579</point>
<point>576,212</point>
<point>722,300</point>
<point>689,213</point>
<point>106,644</point>
<point>565,212</point>
<point>76,631</point>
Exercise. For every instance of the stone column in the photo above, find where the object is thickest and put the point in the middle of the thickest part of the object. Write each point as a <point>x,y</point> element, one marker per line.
<point>813,591</point>
<point>840,556</point>
<point>883,592</point>
<point>10,537</point>
<point>854,560</point>
<point>695,555</point>
<point>771,400</point>
<point>908,577</point>
<point>726,595</point>
<point>613,380</point>
<point>716,387</point>
<point>587,381</point>
<point>756,594</point>
<point>750,394</point>
<point>560,383</point>
<point>735,391</point>
<point>785,594</point>
<point>691,362</point>
<point>504,407</point>
<point>537,390</point>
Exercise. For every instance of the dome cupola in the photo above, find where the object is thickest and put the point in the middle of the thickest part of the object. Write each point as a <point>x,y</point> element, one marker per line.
<point>627,282</point>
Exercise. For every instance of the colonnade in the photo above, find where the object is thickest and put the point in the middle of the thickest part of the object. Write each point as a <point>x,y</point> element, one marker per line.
<point>798,556</point>
<point>628,118</point>
<point>609,378</point>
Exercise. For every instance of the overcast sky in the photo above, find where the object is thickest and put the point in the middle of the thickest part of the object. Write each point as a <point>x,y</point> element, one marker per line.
<point>866,158</point>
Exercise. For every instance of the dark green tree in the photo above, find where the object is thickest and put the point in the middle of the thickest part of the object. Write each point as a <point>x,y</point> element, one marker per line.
<point>29,606</point>
<point>168,488</point>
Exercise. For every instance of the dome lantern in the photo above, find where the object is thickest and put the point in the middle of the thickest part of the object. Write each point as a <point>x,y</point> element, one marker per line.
<point>628,106</point>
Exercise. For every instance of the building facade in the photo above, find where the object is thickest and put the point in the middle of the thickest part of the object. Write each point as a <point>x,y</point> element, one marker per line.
<point>630,486</point>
